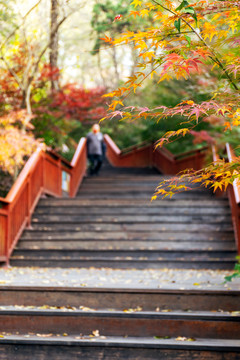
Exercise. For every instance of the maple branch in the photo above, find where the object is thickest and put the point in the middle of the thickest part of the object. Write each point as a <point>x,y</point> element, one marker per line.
<point>215,58</point>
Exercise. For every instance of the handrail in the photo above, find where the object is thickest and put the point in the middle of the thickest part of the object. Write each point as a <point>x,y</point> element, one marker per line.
<point>135,147</point>
<point>234,199</point>
<point>41,174</point>
<point>145,154</point>
<point>21,179</point>
<point>236,184</point>
<point>190,152</point>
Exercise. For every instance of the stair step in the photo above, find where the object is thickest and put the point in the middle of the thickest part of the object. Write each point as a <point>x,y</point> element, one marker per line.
<point>100,244</point>
<point>127,254</point>
<point>101,235</point>
<point>121,298</point>
<point>48,219</point>
<point>43,347</point>
<point>173,202</point>
<point>214,325</point>
<point>216,264</point>
<point>147,210</point>
<point>147,227</point>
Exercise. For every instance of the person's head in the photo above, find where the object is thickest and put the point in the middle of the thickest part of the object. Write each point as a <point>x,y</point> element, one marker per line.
<point>95,128</point>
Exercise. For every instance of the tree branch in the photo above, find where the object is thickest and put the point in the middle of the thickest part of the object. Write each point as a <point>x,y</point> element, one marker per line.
<point>215,56</point>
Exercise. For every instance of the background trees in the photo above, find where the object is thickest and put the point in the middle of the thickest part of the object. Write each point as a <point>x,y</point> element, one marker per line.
<point>181,58</point>
<point>187,38</point>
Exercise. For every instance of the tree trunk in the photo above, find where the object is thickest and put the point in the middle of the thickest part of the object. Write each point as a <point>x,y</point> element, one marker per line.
<point>100,68</point>
<point>53,58</point>
<point>114,56</point>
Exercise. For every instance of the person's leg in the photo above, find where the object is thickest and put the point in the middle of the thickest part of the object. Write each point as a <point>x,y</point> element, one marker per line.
<point>99,161</point>
<point>91,159</point>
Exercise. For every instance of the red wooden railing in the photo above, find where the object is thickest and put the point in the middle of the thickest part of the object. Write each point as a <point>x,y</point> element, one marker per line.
<point>144,154</point>
<point>43,173</point>
<point>233,192</point>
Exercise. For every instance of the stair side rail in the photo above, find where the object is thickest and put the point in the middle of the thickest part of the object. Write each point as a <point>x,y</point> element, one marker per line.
<point>145,154</point>
<point>44,172</point>
<point>233,192</point>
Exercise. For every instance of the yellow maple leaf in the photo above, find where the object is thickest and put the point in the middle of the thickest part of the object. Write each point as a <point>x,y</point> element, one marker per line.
<point>136,3</point>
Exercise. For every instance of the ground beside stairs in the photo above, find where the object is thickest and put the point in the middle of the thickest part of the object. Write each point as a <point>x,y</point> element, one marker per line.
<point>109,275</point>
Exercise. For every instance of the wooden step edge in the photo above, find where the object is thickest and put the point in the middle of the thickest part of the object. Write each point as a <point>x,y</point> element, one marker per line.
<point>128,252</point>
<point>83,289</point>
<point>220,345</point>
<point>124,314</point>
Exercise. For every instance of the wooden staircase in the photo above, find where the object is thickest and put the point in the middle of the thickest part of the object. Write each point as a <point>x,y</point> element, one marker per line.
<point>112,224</point>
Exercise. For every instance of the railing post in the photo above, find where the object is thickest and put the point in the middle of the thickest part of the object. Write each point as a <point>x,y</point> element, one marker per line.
<point>59,177</point>
<point>29,202</point>
<point>8,234</point>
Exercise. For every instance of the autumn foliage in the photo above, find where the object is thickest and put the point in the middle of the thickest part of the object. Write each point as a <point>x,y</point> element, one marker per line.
<point>186,38</point>
<point>16,143</point>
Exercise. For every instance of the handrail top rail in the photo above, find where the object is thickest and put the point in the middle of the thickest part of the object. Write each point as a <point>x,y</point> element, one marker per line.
<point>190,152</point>
<point>78,151</point>
<point>112,144</point>
<point>136,147</point>
<point>215,154</point>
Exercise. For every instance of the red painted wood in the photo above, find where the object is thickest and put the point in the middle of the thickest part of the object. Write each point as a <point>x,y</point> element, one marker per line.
<point>41,174</point>
<point>234,199</point>
<point>146,155</point>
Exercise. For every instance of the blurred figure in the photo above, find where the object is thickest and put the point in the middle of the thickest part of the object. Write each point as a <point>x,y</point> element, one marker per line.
<point>95,149</point>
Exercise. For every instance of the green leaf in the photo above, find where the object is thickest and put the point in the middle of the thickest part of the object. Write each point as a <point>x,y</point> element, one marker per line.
<point>161,337</point>
<point>190,11</point>
<point>177,24</point>
<point>182,5</point>
<point>188,39</point>
<point>195,18</point>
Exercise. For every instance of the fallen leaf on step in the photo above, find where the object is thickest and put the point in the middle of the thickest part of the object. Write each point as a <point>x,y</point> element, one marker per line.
<point>95,333</point>
<point>85,308</point>
<point>132,310</point>
<point>162,337</point>
<point>235,313</point>
<point>183,338</point>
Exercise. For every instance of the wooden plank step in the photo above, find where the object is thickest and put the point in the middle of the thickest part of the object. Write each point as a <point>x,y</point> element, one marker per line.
<point>79,210</point>
<point>65,347</point>
<point>99,234</point>
<point>173,202</point>
<point>216,264</point>
<point>214,325</point>
<point>135,187</point>
<point>148,227</point>
<point>120,299</point>
<point>118,255</point>
<point>133,194</point>
<point>193,218</point>
<point>126,245</point>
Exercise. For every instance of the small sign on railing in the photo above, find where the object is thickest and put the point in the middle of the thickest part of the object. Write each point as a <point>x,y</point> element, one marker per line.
<point>65,181</point>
